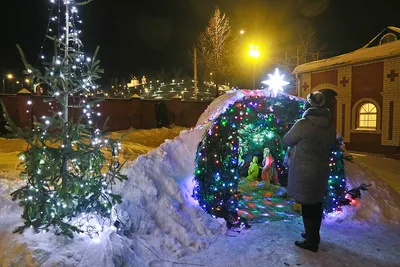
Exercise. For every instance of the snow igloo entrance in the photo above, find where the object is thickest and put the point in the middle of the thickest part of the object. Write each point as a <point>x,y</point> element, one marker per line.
<point>240,171</point>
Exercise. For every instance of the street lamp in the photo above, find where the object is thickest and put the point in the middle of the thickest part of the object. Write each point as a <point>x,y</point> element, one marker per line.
<point>254,53</point>
<point>9,76</point>
<point>20,83</point>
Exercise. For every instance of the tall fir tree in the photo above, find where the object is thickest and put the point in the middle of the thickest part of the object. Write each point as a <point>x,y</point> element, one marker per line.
<point>70,166</point>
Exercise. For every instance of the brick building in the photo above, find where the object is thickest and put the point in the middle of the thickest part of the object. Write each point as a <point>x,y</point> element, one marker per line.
<point>363,88</point>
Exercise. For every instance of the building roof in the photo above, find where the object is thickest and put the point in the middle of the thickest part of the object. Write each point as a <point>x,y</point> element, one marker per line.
<point>365,54</point>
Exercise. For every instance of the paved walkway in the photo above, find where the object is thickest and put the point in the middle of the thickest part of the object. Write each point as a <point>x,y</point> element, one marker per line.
<point>387,169</point>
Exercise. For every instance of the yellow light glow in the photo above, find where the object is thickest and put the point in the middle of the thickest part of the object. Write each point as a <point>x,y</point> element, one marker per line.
<point>27,81</point>
<point>241,31</point>
<point>254,51</point>
<point>10,76</point>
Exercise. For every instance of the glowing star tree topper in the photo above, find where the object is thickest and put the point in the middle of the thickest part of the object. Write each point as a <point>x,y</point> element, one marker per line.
<point>275,82</point>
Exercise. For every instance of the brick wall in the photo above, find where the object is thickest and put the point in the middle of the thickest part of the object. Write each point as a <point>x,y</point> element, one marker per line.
<point>324,77</point>
<point>367,82</point>
<point>391,103</point>
<point>121,113</point>
<point>378,82</point>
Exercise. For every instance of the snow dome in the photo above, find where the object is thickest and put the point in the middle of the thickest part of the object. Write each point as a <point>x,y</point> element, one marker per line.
<point>240,171</point>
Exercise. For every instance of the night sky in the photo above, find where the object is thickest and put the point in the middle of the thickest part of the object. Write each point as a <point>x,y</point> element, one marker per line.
<point>138,37</point>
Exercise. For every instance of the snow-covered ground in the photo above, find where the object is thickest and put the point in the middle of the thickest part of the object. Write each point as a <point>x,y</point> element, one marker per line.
<point>135,143</point>
<point>165,227</point>
<point>384,168</point>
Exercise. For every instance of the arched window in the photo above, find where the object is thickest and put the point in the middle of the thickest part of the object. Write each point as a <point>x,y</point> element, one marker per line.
<point>388,38</point>
<point>367,116</point>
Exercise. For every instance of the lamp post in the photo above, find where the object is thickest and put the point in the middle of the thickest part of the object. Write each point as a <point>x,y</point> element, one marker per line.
<point>9,76</point>
<point>254,53</point>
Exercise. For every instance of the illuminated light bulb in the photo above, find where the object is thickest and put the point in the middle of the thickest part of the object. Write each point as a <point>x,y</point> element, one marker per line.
<point>58,62</point>
<point>47,122</point>
<point>29,102</point>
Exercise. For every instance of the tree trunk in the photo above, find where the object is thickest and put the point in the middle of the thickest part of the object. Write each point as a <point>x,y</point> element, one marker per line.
<point>216,85</point>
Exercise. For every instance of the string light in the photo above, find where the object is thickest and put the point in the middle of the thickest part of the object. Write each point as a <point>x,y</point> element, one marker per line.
<point>55,191</point>
<point>260,121</point>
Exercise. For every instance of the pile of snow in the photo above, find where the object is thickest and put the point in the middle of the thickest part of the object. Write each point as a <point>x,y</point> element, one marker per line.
<point>158,213</point>
<point>380,204</point>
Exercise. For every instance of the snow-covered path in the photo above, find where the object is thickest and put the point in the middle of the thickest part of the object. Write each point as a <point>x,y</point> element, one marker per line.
<point>272,244</point>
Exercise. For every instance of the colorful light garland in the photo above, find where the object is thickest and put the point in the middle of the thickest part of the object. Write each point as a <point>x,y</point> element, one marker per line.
<point>252,122</point>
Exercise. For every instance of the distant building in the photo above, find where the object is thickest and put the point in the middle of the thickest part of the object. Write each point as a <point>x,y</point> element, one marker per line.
<point>364,86</point>
<point>134,82</point>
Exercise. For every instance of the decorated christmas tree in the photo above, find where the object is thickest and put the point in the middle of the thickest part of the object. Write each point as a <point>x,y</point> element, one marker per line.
<point>69,165</point>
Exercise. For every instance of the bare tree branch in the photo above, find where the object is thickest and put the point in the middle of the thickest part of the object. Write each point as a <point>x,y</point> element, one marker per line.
<point>216,47</point>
